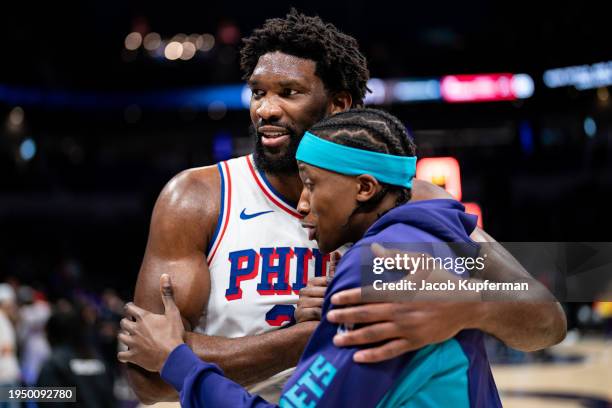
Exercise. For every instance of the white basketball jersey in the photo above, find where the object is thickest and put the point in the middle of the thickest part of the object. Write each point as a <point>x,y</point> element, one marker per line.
<point>259,257</point>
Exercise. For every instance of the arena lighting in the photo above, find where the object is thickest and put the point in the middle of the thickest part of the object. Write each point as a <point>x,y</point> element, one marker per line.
<point>580,77</point>
<point>238,96</point>
<point>152,41</point>
<point>445,172</point>
<point>181,45</point>
<point>16,116</point>
<point>208,42</point>
<point>378,94</point>
<point>486,87</point>
<point>173,50</point>
<point>133,41</point>
<point>590,127</point>
<point>189,50</point>
<point>27,149</point>
<point>416,90</point>
<point>198,98</point>
<point>441,171</point>
<point>245,96</point>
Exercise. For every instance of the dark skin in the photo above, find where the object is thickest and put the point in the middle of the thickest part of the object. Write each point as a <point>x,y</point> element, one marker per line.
<point>151,337</point>
<point>185,217</point>
<point>523,324</point>
<point>329,217</point>
<point>285,90</point>
<point>150,344</point>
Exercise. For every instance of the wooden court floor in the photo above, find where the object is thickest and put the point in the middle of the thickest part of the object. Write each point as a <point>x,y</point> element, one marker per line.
<point>586,382</point>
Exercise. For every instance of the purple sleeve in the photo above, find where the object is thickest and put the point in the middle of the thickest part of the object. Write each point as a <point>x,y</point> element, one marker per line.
<point>202,384</point>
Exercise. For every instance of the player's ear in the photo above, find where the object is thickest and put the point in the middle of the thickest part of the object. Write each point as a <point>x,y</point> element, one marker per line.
<point>367,186</point>
<point>340,102</point>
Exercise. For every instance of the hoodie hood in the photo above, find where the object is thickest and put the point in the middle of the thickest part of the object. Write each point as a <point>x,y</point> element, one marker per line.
<point>445,219</point>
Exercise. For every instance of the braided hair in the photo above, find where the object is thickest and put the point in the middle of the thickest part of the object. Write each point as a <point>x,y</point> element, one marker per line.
<point>374,130</point>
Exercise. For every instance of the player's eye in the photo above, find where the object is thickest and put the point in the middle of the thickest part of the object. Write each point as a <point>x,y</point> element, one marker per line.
<point>290,92</point>
<point>257,93</point>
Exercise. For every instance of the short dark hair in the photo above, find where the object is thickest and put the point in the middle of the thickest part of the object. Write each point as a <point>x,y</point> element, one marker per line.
<point>374,130</point>
<point>339,63</point>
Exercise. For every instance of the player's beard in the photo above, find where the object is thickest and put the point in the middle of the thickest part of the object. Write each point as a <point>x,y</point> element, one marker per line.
<point>276,161</point>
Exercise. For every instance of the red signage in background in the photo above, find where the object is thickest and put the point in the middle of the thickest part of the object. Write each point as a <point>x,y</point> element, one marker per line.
<point>441,171</point>
<point>446,173</point>
<point>478,88</point>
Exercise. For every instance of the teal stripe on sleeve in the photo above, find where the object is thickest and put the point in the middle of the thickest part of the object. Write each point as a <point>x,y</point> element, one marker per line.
<point>437,376</point>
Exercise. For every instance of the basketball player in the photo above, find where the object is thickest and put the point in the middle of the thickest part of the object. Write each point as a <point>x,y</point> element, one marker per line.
<point>357,169</point>
<point>230,235</point>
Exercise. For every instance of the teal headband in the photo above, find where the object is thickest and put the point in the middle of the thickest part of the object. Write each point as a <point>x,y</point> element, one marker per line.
<point>386,168</point>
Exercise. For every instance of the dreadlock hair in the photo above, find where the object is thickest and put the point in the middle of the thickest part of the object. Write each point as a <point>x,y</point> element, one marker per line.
<point>374,130</point>
<point>339,63</point>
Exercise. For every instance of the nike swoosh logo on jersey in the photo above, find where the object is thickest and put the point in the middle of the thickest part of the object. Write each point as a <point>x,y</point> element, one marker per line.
<point>245,216</point>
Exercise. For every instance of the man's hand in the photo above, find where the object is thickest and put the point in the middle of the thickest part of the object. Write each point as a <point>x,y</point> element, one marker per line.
<point>404,325</point>
<point>311,297</point>
<point>151,337</point>
<point>527,324</point>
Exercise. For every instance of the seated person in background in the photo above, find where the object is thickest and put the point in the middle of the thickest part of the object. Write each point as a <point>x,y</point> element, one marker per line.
<point>357,169</point>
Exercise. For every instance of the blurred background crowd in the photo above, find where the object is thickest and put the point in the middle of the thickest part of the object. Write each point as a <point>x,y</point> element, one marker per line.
<point>102,103</point>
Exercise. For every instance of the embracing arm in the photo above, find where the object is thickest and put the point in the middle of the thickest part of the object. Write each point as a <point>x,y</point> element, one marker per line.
<point>527,324</point>
<point>251,359</point>
<point>181,227</point>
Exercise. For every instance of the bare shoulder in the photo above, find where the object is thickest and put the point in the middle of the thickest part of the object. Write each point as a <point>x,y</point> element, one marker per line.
<point>189,203</point>
<point>192,192</point>
<point>424,190</point>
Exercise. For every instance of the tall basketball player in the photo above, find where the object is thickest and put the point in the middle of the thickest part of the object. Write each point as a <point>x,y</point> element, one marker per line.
<point>230,237</point>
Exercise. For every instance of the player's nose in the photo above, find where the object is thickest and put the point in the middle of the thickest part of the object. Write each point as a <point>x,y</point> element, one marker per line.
<point>269,110</point>
<point>303,206</point>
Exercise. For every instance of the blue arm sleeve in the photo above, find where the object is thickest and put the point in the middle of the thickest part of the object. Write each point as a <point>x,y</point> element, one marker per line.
<point>202,384</point>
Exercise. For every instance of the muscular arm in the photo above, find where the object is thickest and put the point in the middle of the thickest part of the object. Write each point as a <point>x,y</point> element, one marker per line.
<point>529,323</point>
<point>523,324</point>
<point>526,324</point>
<point>181,227</point>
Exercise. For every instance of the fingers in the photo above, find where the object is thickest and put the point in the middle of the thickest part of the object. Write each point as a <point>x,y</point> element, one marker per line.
<point>133,311</point>
<point>126,339</point>
<point>317,281</point>
<point>313,291</point>
<point>367,335</point>
<point>307,302</point>
<point>387,351</point>
<point>362,314</point>
<point>311,299</point>
<point>307,315</point>
<point>347,297</point>
<point>167,292</point>
<point>125,356</point>
<point>127,326</point>
<point>165,284</point>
